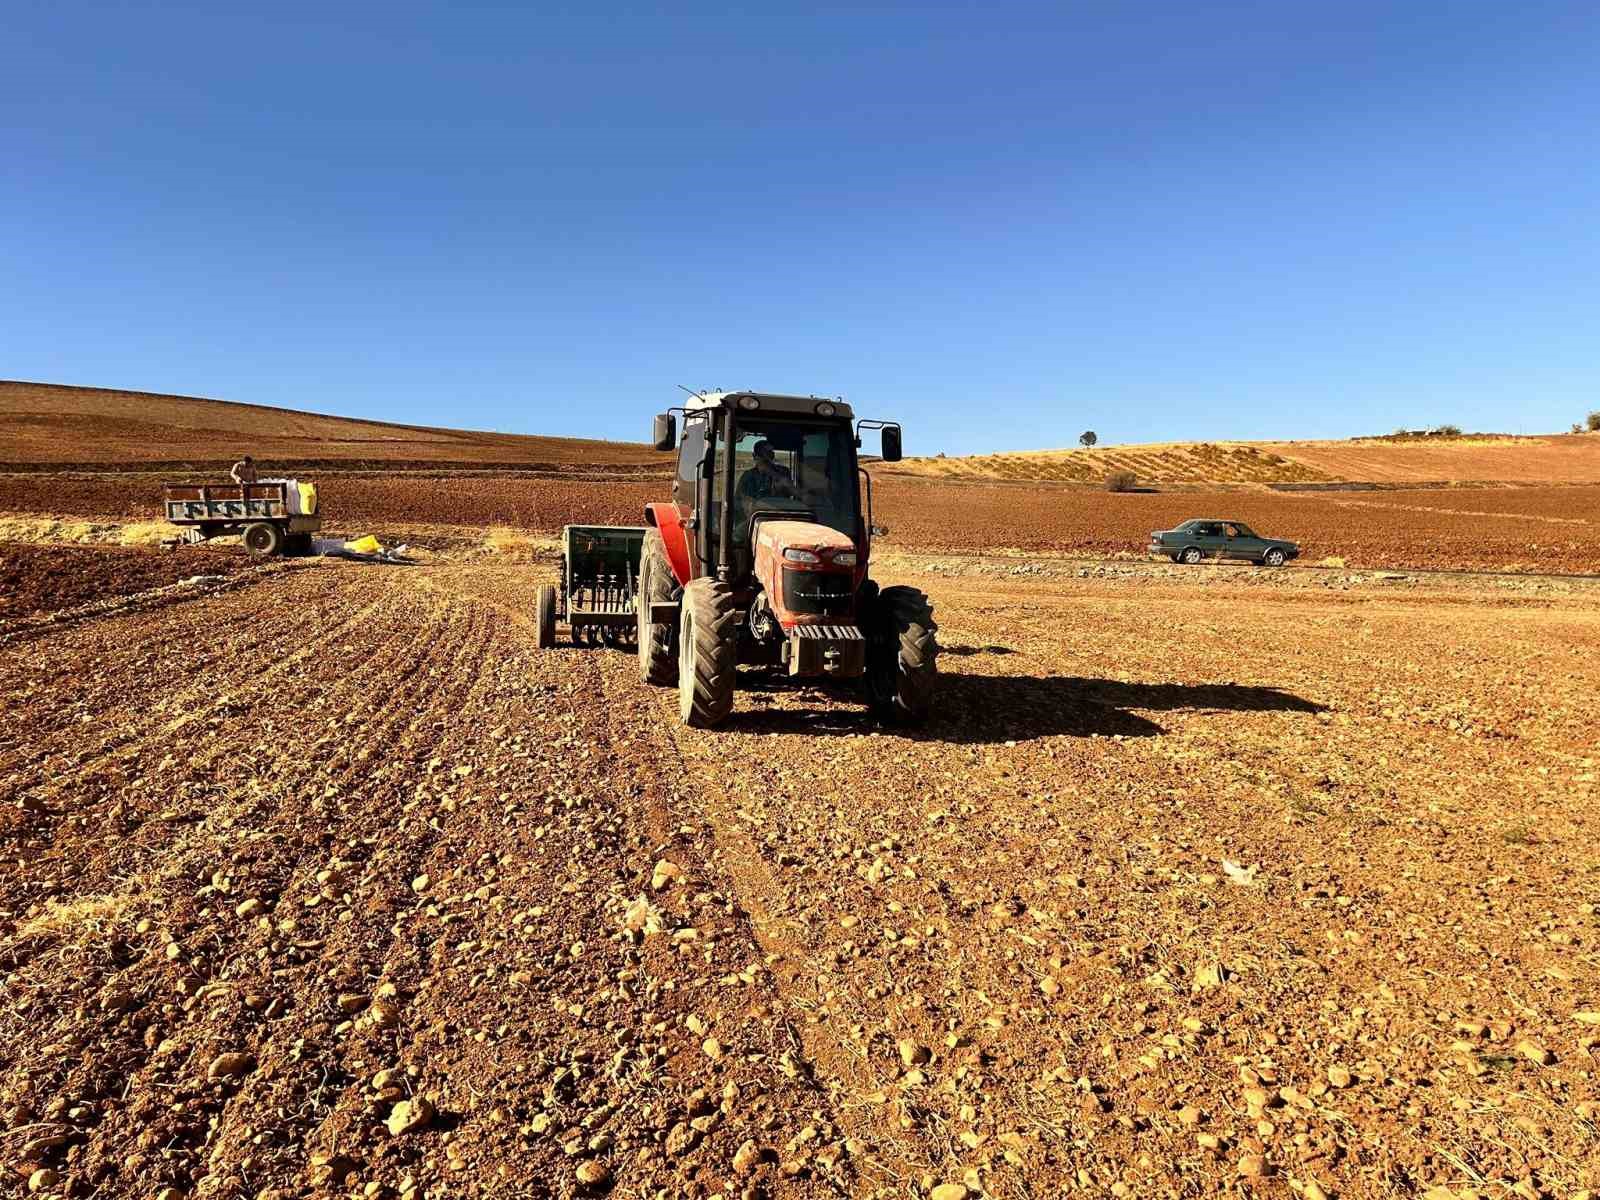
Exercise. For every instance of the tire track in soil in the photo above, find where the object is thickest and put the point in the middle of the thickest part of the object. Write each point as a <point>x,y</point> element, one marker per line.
<point>853,1002</point>
<point>759,1088</point>
<point>859,1098</point>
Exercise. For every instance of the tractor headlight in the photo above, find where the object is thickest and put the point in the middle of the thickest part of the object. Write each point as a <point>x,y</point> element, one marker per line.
<point>825,409</point>
<point>749,403</point>
<point>845,558</point>
<point>801,556</point>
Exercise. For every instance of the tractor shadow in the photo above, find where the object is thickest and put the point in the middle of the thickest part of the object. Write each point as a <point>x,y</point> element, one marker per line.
<point>988,709</point>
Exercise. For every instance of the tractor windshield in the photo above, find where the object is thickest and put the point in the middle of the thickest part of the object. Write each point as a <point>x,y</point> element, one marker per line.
<point>789,466</point>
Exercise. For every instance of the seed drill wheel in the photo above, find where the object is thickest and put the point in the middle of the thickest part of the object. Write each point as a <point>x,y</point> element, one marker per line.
<point>707,652</point>
<point>658,658</point>
<point>263,539</point>
<point>544,609</point>
<point>902,656</point>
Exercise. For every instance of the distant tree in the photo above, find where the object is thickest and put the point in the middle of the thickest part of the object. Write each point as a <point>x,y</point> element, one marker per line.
<point>1594,422</point>
<point>1447,430</point>
<point>1121,481</point>
<point>1576,427</point>
<point>1088,438</point>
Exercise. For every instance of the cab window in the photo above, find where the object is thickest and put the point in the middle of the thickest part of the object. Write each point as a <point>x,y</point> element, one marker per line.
<point>785,466</point>
<point>690,452</point>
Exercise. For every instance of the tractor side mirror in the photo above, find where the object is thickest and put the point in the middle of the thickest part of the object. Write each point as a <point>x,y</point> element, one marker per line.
<point>891,443</point>
<point>666,432</point>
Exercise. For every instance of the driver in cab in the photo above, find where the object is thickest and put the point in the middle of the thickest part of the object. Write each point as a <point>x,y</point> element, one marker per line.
<point>767,478</point>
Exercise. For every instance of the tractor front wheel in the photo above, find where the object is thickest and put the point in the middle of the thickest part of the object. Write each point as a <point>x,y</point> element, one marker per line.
<point>707,652</point>
<point>658,663</point>
<point>902,656</point>
<point>544,609</point>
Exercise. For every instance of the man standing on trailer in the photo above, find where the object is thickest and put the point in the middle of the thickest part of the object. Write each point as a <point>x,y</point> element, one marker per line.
<point>244,471</point>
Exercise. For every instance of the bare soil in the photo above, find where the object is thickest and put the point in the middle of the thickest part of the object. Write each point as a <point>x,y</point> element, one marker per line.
<point>45,579</point>
<point>1548,529</point>
<point>43,423</point>
<point>332,884</point>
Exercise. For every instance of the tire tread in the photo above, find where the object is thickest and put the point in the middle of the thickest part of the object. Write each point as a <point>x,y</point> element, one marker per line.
<point>707,653</point>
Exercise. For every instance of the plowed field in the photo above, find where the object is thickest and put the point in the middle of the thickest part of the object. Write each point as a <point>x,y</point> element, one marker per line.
<point>1539,529</point>
<point>330,884</point>
<point>42,423</point>
<point>47,579</point>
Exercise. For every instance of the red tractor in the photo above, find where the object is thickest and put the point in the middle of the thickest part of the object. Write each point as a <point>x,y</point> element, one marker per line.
<point>761,556</point>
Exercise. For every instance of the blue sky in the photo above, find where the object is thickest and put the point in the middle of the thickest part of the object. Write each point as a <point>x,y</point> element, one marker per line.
<point>1001,224</point>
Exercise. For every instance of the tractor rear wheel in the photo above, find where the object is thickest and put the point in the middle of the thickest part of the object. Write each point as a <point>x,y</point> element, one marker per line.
<point>544,609</point>
<point>658,657</point>
<point>707,652</point>
<point>902,656</point>
<point>263,539</point>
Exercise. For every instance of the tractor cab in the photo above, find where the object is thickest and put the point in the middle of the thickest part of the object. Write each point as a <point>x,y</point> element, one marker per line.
<point>761,556</point>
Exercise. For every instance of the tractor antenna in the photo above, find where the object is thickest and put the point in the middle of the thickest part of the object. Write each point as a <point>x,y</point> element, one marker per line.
<point>691,391</point>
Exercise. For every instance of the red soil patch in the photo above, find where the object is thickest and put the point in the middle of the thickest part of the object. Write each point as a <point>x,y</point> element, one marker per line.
<point>43,579</point>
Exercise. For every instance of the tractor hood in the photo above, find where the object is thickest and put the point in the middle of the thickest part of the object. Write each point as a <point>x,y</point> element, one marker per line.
<point>821,540</point>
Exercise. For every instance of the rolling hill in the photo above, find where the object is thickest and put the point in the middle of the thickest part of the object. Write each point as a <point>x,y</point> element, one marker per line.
<point>53,424</point>
<point>57,427</point>
<point>1558,458</point>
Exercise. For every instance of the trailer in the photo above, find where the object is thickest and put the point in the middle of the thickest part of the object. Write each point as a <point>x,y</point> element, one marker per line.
<point>273,516</point>
<point>599,581</point>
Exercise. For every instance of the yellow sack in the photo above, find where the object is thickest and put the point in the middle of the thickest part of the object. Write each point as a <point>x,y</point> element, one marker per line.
<point>366,545</point>
<point>308,499</point>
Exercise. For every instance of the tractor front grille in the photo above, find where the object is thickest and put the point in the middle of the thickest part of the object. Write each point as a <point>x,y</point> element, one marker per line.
<point>817,593</point>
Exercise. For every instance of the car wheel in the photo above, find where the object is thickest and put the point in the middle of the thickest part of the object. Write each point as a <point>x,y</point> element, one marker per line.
<point>1273,557</point>
<point>1190,555</point>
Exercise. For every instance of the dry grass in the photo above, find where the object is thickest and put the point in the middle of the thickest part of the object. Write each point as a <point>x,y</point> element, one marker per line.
<point>15,528</point>
<point>1476,458</point>
<point>75,918</point>
<point>515,543</point>
<point>145,533</point>
<point>1161,463</point>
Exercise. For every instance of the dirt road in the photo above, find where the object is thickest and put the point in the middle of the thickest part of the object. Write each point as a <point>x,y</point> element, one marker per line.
<point>330,882</point>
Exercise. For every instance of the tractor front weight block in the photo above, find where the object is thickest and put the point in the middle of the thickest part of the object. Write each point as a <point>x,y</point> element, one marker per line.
<point>837,651</point>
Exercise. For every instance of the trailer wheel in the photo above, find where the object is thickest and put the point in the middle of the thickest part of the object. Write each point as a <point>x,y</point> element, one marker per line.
<point>657,655</point>
<point>545,611</point>
<point>263,539</point>
<point>707,653</point>
<point>902,656</point>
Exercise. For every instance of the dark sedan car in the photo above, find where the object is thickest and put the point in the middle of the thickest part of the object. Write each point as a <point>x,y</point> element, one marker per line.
<point>1206,538</point>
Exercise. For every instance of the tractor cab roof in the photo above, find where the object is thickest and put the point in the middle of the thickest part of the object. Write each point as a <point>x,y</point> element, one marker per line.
<point>770,402</point>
